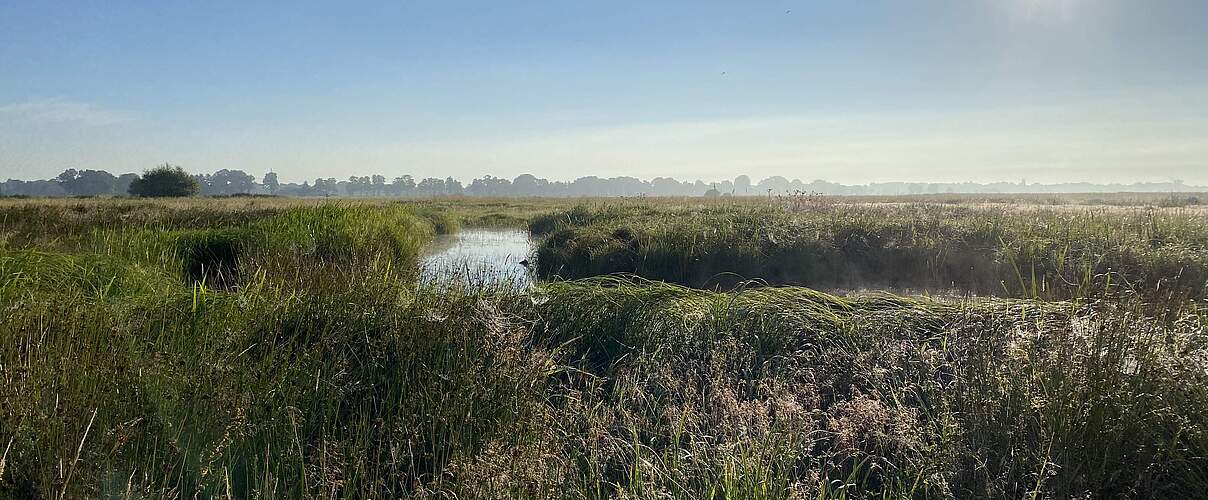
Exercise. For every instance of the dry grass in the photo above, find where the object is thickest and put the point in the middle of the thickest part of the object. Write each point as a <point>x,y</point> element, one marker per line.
<point>325,371</point>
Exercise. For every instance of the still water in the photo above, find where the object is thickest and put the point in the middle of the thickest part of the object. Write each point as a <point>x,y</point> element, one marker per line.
<point>479,257</point>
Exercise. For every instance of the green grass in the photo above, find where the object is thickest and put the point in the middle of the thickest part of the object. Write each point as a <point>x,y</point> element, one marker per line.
<point>1021,252</point>
<point>316,367</point>
<point>223,247</point>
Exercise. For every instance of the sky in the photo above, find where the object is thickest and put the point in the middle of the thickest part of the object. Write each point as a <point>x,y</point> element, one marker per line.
<point>853,92</point>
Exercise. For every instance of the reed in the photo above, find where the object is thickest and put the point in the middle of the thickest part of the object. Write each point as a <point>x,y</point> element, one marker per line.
<point>321,369</point>
<point>1018,252</point>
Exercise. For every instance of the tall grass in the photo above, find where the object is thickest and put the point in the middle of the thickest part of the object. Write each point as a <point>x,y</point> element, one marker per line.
<point>321,370</point>
<point>1029,252</point>
<point>226,244</point>
<point>772,392</point>
<point>367,389</point>
<point>596,389</point>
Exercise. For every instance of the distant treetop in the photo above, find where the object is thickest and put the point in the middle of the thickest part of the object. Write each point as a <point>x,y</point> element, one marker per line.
<point>170,180</point>
<point>164,181</point>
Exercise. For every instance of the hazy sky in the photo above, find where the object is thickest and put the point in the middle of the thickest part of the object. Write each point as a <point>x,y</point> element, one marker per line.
<point>1047,90</point>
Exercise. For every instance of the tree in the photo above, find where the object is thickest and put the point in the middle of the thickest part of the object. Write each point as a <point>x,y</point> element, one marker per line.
<point>164,181</point>
<point>775,184</point>
<point>452,186</point>
<point>14,187</point>
<point>403,186</point>
<point>325,187</point>
<point>270,182</point>
<point>87,182</point>
<point>430,187</point>
<point>227,182</point>
<point>489,186</point>
<point>663,186</point>
<point>304,189</point>
<point>123,183</point>
<point>742,185</point>
<point>379,184</point>
<point>528,185</point>
<point>358,185</point>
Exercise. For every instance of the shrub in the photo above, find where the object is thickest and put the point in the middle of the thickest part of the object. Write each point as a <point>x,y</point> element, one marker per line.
<point>164,181</point>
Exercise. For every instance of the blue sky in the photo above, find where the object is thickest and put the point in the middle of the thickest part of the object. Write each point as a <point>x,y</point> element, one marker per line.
<point>1056,90</point>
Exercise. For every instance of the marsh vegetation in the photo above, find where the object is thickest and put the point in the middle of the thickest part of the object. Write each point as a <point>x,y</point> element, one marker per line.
<point>671,349</point>
<point>1029,251</point>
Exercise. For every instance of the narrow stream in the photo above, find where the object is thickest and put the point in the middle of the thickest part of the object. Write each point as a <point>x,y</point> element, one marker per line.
<point>495,257</point>
<point>479,257</point>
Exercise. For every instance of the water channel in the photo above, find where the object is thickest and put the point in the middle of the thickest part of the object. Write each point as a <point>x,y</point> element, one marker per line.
<point>480,257</point>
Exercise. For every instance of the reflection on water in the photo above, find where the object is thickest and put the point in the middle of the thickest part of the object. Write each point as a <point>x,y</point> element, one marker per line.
<point>479,257</point>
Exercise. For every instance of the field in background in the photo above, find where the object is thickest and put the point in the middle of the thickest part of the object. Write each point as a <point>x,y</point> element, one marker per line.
<point>267,347</point>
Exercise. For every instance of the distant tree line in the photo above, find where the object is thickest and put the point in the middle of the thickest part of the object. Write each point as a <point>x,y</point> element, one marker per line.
<point>226,182</point>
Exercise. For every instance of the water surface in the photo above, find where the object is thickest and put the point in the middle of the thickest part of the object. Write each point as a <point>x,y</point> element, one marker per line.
<point>479,257</point>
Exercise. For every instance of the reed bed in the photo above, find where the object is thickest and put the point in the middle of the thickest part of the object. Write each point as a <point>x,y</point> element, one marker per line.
<point>323,369</point>
<point>1030,252</point>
